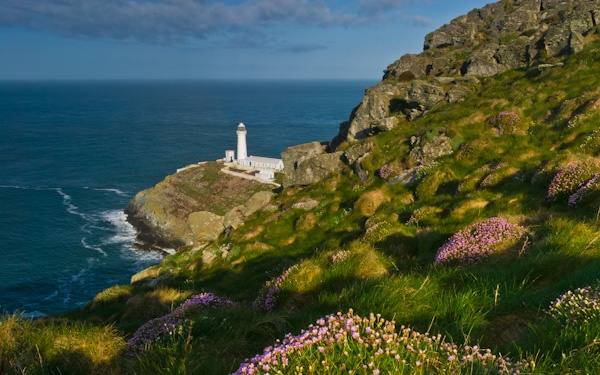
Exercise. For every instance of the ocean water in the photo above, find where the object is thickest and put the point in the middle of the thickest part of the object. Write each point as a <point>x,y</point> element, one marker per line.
<point>72,154</point>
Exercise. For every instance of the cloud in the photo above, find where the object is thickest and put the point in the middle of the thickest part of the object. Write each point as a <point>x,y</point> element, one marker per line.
<point>159,21</point>
<point>246,22</point>
<point>303,48</point>
<point>418,20</point>
<point>379,7</point>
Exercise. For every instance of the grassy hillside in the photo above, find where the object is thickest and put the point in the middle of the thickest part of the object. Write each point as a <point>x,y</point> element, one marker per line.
<point>428,257</point>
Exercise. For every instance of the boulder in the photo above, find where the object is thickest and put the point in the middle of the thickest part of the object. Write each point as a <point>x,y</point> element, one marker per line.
<point>312,170</point>
<point>306,205</point>
<point>432,150</point>
<point>205,226</point>
<point>257,202</point>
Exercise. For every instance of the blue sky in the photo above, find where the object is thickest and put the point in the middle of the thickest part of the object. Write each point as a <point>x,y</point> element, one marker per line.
<point>214,39</point>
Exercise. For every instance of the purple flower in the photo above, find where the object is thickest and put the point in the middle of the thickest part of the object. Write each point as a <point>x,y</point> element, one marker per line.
<point>478,241</point>
<point>157,328</point>
<point>568,180</point>
<point>267,296</point>
<point>504,118</point>
<point>577,307</point>
<point>376,339</point>
<point>584,191</point>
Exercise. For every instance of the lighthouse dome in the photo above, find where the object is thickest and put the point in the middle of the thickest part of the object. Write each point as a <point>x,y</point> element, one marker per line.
<point>241,127</point>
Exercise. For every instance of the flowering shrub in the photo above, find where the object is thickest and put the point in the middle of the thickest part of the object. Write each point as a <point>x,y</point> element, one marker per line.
<point>584,191</point>
<point>505,118</point>
<point>386,171</point>
<point>340,256</point>
<point>157,328</point>
<point>577,307</point>
<point>568,180</point>
<point>267,296</point>
<point>348,343</point>
<point>478,241</point>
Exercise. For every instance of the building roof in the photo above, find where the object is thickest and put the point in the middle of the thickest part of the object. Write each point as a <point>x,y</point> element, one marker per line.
<point>263,159</point>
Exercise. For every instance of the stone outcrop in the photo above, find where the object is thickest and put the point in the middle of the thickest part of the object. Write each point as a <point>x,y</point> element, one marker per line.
<point>308,164</point>
<point>505,35</point>
<point>237,215</point>
<point>193,206</point>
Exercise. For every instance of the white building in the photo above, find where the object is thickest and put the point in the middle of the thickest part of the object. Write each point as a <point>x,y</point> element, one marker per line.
<point>266,166</point>
<point>259,162</point>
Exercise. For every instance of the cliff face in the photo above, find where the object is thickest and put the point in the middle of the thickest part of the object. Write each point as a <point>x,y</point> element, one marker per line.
<point>506,35</point>
<point>194,206</point>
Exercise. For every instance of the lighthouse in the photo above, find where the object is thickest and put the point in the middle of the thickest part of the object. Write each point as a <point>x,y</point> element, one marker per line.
<point>242,151</point>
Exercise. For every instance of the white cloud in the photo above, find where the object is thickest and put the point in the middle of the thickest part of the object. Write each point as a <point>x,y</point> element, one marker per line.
<point>249,22</point>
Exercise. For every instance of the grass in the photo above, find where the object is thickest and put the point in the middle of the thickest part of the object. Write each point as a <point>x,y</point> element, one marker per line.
<point>370,246</point>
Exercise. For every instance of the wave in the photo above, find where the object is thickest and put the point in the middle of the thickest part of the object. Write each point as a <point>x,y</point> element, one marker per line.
<point>111,190</point>
<point>92,247</point>
<point>123,232</point>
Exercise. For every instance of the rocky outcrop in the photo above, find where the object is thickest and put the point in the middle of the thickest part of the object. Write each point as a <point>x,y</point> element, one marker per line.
<point>193,206</point>
<point>505,35</point>
<point>422,156</point>
<point>386,102</point>
<point>237,215</point>
<point>308,164</point>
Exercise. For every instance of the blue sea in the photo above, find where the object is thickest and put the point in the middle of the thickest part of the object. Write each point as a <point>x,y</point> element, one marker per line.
<point>72,154</point>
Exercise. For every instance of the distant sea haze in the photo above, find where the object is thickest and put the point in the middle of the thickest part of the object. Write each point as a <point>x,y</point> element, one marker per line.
<point>72,154</point>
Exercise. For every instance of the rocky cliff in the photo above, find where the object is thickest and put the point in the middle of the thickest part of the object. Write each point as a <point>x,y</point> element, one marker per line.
<point>194,206</point>
<point>505,35</point>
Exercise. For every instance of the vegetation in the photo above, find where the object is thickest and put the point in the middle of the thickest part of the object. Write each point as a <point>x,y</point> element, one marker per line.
<point>524,146</point>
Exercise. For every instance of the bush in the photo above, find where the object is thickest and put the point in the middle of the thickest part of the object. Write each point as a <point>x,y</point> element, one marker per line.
<point>568,180</point>
<point>577,307</point>
<point>169,324</point>
<point>350,344</point>
<point>478,241</point>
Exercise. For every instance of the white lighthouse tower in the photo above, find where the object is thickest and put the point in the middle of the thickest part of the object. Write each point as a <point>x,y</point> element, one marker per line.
<point>242,150</point>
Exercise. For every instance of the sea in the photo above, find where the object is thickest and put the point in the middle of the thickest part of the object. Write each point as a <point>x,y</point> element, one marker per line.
<point>72,155</point>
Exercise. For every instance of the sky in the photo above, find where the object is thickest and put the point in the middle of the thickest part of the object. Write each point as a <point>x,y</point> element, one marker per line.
<point>214,39</point>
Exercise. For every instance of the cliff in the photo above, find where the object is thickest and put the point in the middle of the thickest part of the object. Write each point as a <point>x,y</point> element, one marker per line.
<point>194,206</point>
<point>499,37</point>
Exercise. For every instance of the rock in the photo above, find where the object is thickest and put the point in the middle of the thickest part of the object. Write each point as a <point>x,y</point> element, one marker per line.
<point>306,205</point>
<point>257,202</point>
<point>498,37</point>
<point>354,157</point>
<point>307,164</point>
<point>408,67</point>
<point>234,217</point>
<point>407,177</point>
<point>205,226</point>
<point>432,150</point>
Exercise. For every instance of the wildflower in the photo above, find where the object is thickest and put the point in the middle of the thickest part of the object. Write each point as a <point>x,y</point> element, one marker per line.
<point>578,306</point>
<point>584,191</point>
<point>478,241</point>
<point>267,297</point>
<point>383,344</point>
<point>168,324</point>
<point>568,180</point>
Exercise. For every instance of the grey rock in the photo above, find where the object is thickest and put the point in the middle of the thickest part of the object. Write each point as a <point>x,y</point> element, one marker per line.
<point>306,205</point>
<point>257,202</point>
<point>354,157</point>
<point>406,177</point>
<point>307,164</point>
<point>205,226</point>
<point>234,217</point>
<point>432,150</point>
